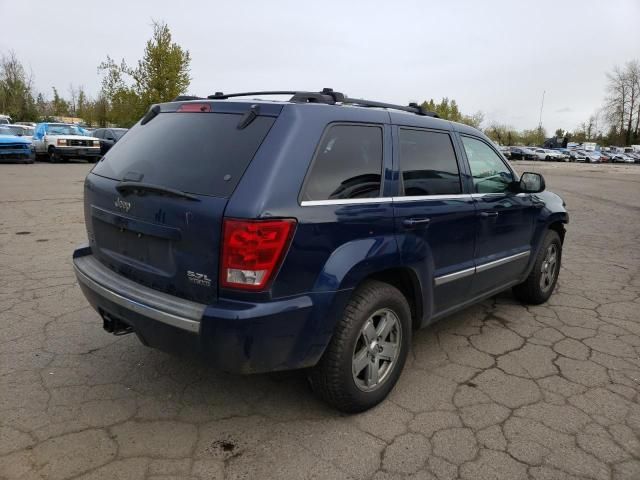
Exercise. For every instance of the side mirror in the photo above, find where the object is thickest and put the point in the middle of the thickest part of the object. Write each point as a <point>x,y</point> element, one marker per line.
<point>531,183</point>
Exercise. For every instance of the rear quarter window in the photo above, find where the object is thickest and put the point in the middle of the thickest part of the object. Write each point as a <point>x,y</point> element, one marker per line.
<point>200,153</point>
<point>347,164</point>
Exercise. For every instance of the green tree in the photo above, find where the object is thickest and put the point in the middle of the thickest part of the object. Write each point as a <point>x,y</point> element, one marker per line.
<point>16,91</point>
<point>60,105</point>
<point>449,110</point>
<point>161,75</point>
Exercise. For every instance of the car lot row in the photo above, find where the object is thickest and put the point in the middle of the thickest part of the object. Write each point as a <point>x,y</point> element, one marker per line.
<point>57,142</point>
<point>608,155</point>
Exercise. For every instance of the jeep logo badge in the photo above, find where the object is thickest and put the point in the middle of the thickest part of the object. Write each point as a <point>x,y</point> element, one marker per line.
<point>122,205</point>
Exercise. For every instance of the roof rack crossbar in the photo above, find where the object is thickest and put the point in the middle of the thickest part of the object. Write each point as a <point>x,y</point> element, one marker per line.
<point>330,97</point>
<point>223,96</point>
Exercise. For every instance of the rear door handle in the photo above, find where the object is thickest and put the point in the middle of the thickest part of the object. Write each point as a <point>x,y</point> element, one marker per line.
<point>414,222</point>
<point>488,214</point>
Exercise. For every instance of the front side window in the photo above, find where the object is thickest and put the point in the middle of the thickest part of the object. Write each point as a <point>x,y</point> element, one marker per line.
<point>490,174</point>
<point>347,164</point>
<point>428,163</point>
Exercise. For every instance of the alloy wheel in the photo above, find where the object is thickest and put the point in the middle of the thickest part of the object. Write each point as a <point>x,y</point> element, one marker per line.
<point>376,350</point>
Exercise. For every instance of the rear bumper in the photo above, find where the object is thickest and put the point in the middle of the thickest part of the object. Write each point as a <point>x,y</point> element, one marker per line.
<point>234,336</point>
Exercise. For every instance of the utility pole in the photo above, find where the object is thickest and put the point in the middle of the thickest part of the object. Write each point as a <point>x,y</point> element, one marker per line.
<point>541,107</point>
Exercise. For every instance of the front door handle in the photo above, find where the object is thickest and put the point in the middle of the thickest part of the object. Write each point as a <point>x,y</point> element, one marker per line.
<point>488,214</point>
<point>414,222</point>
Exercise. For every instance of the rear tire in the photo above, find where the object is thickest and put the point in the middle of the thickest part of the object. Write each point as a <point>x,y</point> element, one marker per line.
<point>370,342</point>
<point>541,282</point>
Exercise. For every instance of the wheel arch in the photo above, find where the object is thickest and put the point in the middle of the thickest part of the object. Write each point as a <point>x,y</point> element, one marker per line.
<point>405,280</point>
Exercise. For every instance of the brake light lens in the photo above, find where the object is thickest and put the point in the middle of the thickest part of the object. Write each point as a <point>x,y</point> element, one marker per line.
<point>195,107</point>
<point>252,251</point>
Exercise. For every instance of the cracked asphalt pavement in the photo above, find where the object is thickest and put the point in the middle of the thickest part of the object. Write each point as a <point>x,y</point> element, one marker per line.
<point>498,391</point>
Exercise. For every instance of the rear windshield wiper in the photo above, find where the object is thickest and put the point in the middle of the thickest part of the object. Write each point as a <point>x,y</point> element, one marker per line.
<point>124,187</point>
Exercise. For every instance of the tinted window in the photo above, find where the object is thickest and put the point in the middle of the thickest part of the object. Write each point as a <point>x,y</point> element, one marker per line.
<point>98,133</point>
<point>348,164</point>
<point>428,163</point>
<point>490,174</point>
<point>201,153</point>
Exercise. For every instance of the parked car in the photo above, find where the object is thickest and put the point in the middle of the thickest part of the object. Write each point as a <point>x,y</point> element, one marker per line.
<point>592,156</point>
<point>5,119</point>
<point>506,151</point>
<point>625,158</point>
<point>279,235</point>
<point>540,153</point>
<point>108,137</point>
<point>522,153</point>
<point>605,157</point>
<point>560,154</point>
<point>577,156</point>
<point>64,141</point>
<point>26,124</point>
<point>15,148</point>
<point>21,130</point>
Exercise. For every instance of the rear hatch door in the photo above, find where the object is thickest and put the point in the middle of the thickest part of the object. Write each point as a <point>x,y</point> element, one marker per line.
<point>154,204</point>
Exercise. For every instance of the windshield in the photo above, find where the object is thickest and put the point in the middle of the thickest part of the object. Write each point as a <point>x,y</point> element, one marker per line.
<point>14,130</point>
<point>6,131</point>
<point>64,130</point>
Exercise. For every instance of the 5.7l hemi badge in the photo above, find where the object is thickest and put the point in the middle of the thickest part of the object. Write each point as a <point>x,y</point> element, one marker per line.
<point>199,278</point>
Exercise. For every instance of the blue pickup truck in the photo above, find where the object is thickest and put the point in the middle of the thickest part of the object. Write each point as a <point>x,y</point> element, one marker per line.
<point>14,147</point>
<point>317,232</point>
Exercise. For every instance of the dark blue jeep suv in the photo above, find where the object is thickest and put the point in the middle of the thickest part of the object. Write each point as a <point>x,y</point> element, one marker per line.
<point>315,232</point>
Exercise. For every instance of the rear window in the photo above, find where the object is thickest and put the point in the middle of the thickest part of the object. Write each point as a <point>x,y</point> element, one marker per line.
<point>201,153</point>
<point>347,164</point>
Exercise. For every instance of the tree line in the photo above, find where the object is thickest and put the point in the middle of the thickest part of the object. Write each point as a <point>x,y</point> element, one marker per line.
<point>126,91</point>
<point>163,73</point>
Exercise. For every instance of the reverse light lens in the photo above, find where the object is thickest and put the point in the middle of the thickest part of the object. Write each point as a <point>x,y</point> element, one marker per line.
<point>252,251</point>
<point>61,141</point>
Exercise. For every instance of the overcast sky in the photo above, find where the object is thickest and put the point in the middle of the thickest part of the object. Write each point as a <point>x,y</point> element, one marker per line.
<point>493,56</point>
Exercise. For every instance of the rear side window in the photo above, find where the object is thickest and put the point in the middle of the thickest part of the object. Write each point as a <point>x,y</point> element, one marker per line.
<point>201,153</point>
<point>347,164</point>
<point>428,163</point>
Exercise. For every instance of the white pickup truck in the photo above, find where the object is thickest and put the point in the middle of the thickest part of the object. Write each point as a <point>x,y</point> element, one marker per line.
<point>63,141</point>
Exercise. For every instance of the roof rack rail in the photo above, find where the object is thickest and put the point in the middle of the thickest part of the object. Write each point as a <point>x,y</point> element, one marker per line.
<point>330,97</point>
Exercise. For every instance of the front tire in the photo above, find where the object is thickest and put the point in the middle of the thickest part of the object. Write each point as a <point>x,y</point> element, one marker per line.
<point>53,156</point>
<point>541,282</point>
<point>367,352</point>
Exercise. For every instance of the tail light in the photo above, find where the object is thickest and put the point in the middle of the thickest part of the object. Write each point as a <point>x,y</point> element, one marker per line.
<point>252,251</point>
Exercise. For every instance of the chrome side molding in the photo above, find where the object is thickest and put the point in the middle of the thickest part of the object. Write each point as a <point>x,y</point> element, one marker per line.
<point>450,277</point>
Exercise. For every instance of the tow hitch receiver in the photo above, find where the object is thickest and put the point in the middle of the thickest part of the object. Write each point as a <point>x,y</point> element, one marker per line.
<point>115,325</point>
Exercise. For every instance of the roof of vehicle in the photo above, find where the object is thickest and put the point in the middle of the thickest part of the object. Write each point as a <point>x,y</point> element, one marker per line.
<point>408,115</point>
